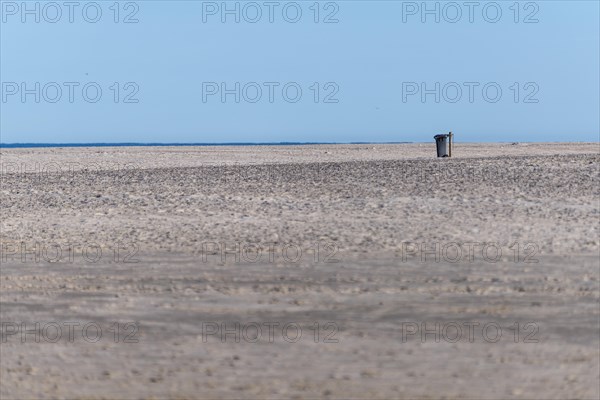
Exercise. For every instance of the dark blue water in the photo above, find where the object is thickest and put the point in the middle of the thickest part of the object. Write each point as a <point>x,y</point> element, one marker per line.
<point>33,145</point>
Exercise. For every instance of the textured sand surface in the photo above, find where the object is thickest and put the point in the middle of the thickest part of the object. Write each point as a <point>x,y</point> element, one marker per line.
<point>340,230</point>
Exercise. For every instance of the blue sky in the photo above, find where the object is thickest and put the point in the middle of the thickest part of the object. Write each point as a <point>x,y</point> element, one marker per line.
<point>370,68</point>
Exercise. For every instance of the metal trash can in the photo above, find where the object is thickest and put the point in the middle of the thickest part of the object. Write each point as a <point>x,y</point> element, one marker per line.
<point>444,145</point>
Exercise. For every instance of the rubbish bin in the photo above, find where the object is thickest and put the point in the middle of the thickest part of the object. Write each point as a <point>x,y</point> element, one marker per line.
<point>444,145</point>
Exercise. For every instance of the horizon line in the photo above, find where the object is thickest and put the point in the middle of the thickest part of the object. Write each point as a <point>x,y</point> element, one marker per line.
<point>190,144</point>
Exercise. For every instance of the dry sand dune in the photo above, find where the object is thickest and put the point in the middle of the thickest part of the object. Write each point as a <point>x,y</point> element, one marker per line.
<point>406,275</point>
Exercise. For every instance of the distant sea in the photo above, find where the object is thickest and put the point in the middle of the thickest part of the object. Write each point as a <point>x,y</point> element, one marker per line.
<point>35,145</point>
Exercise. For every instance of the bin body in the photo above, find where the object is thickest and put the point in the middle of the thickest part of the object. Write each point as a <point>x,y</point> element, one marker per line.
<point>441,142</point>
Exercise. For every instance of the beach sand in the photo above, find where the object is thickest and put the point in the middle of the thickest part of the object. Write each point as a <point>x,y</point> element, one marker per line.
<point>369,271</point>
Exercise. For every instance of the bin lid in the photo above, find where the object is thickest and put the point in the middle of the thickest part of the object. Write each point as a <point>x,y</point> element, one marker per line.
<point>442,136</point>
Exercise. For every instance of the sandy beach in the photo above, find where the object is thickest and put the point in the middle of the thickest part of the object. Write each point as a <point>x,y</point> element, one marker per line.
<point>320,271</point>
